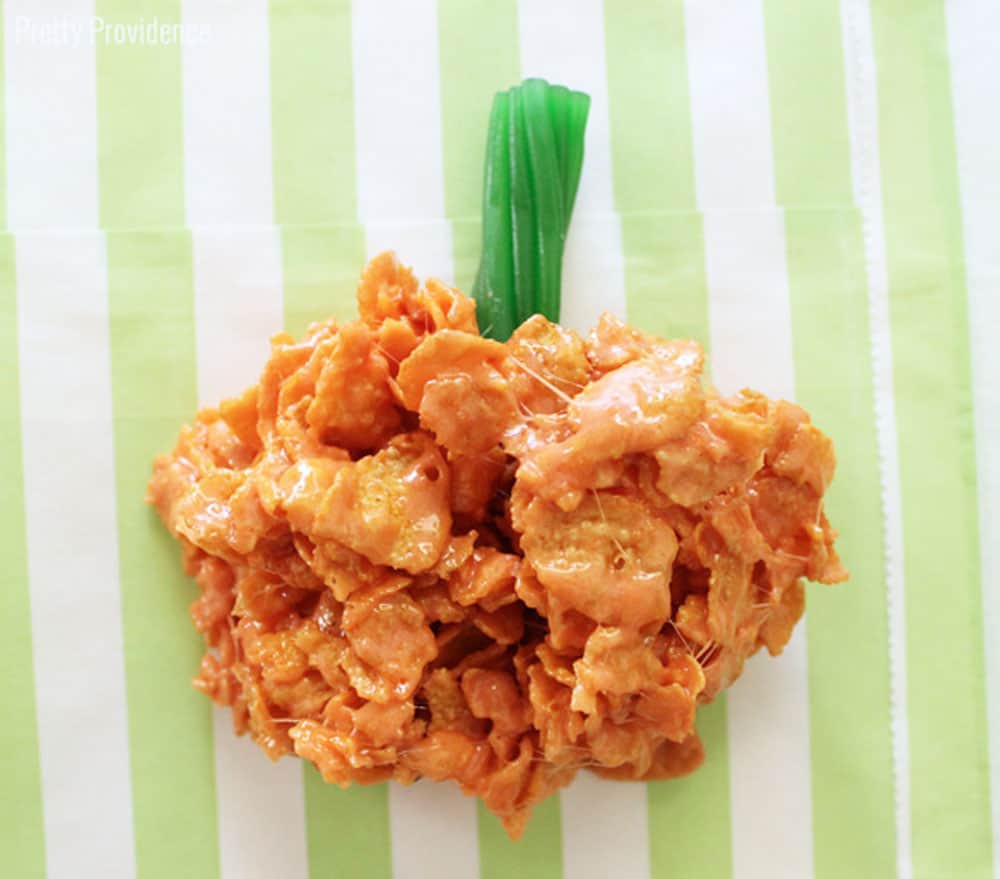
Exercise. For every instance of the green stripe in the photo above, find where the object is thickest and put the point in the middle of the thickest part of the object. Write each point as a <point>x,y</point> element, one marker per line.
<point>312,122</point>
<point>649,106</point>
<point>537,855</point>
<point>666,293</point>
<point>312,111</point>
<point>949,769</point>
<point>151,301</point>
<point>347,831</point>
<point>689,818</point>
<point>139,121</point>
<point>466,246</point>
<point>849,696</point>
<point>323,251</point>
<point>479,56</point>
<point>805,65</point>
<point>22,842</point>
<point>321,266</point>
<point>653,174</point>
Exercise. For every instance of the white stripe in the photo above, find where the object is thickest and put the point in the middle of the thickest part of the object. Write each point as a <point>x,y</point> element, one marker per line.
<point>593,811</point>
<point>594,270</point>
<point>434,831</point>
<point>422,815</point>
<point>398,110</point>
<point>768,708</point>
<point>727,69</point>
<point>974,34</point>
<point>862,113</point>
<point>76,623</point>
<point>605,829</point>
<point>748,304</point>
<point>424,246</point>
<point>238,305</point>
<point>261,808</point>
<point>401,203</point>
<point>51,115</point>
<point>227,112</point>
<point>563,42</point>
<point>751,345</point>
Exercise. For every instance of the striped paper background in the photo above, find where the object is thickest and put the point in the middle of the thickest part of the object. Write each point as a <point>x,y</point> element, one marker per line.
<point>812,189</point>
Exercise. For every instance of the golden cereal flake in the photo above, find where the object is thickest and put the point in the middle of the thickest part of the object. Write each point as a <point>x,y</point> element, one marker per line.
<point>421,553</point>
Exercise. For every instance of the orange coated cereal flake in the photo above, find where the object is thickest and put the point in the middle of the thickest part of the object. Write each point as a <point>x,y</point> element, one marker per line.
<point>422,553</point>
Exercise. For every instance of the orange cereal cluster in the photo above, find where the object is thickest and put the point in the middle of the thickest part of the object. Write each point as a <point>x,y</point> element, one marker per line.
<point>423,553</point>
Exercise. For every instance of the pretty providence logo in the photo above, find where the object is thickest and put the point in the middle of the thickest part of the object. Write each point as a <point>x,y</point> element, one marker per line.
<point>94,30</point>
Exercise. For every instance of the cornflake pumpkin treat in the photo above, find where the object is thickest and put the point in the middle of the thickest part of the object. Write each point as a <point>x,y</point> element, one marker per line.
<point>427,554</point>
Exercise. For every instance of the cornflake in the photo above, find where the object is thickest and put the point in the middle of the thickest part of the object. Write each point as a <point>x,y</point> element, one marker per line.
<point>422,553</point>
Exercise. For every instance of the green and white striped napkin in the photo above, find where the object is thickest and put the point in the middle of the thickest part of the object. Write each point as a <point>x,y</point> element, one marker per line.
<point>811,189</point>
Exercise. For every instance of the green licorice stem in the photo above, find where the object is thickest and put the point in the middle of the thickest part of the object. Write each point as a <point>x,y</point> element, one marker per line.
<point>534,157</point>
<point>545,184</point>
<point>496,312</point>
<point>522,215</point>
<point>579,107</point>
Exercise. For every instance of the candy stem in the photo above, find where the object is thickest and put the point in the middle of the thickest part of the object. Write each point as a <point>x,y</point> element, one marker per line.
<point>534,156</point>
